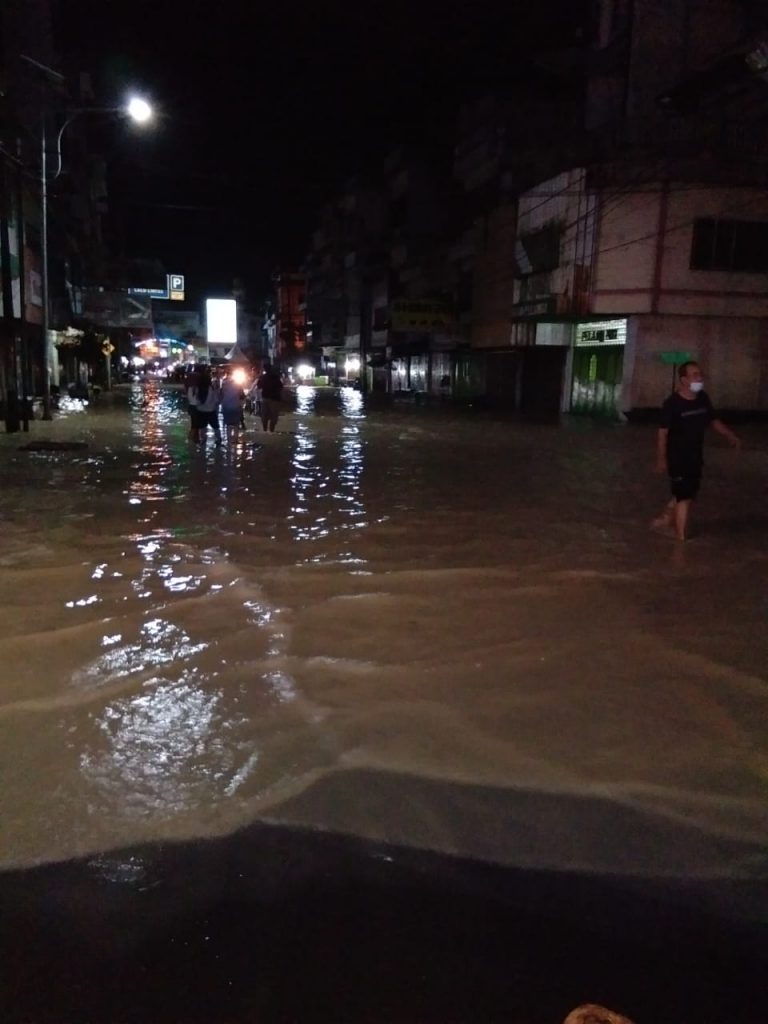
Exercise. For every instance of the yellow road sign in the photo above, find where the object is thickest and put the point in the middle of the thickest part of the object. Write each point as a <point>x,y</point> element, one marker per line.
<point>107,348</point>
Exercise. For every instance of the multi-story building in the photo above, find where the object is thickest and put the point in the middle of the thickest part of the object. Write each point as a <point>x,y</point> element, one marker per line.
<point>410,317</point>
<point>24,29</point>
<point>657,250</point>
<point>341,268</point>
<point>35,92</point>
<point>563,265</point>
<point>504,144</point>
<point>325,305</point>
<point>286,323</point>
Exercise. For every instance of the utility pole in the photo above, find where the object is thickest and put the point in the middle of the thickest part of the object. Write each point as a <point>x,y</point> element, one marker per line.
<point>23,361</point>
<point>47,354</point>
<point>55,79</point>
<point>12,421</point>
<point>365,330</point>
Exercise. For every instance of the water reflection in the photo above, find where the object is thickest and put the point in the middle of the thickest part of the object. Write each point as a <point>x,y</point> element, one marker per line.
<point>150,415</point>
<point>166,749</point>
<point>162,463</point>
<point>352,404</point>
<point>71,406</point>
<point>305,400</point>
<point>348,491</point>
<point>310,487</point>
<point>327,498</point>
<point>159,643</point>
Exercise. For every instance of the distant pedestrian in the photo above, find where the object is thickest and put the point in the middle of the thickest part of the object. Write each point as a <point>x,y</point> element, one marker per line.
<point>685,417</point>
<point>255,397</point>
<point>232,400</point>
<point>270,385</point>
<point>194,424</point>
<point>204,397</point>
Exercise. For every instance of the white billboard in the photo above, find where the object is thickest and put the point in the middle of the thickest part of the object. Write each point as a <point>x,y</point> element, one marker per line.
<point>221,321</point>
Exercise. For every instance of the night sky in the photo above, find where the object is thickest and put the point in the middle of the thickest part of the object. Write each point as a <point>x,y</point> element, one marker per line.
<point>268,108</point>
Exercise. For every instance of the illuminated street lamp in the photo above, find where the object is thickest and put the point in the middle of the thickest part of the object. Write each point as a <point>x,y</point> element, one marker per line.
<point>140,112</point>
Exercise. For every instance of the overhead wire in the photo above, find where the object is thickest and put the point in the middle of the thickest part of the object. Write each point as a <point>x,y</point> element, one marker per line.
<point>614,199</point>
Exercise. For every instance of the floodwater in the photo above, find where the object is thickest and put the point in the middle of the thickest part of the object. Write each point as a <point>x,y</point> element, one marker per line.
<point>450,633</point>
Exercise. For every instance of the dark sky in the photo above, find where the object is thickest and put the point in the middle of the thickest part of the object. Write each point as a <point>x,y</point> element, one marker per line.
<point>268,108</point>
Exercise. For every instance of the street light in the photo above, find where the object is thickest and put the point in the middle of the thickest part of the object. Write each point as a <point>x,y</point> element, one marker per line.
<point>140,112</point>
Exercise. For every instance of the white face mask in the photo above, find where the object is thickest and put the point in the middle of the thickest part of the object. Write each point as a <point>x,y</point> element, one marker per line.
<point>697,386</point>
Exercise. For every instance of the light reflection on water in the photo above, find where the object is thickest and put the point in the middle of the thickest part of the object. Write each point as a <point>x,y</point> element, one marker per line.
<point>305,400</point>
<point>72,406</point>
<point>163,451</point>
<point>352,404</point>
<point>159,643</point>
<point>179,744</point>
<point>329,498</point>
<point>166,750</point>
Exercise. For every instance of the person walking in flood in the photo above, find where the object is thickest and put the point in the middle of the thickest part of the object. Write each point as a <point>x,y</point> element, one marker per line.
<point>685,417</point>
<point>204,396</point>
<point>194,424</point>
<point>270,385</point>
<point>232,399</point>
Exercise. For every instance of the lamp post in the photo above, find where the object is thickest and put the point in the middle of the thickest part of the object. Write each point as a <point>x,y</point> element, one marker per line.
<point>139,111</point>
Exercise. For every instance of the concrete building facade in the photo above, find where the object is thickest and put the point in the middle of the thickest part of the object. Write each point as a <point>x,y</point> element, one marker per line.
<point>641,276</point>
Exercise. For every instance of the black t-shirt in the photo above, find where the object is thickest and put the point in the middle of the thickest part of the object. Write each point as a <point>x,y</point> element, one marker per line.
<point>687,421</point>
<point>271,386</point>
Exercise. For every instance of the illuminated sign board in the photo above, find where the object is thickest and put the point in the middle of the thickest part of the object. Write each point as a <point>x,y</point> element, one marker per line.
<point>151,293</point>
<point>421,316</point>
<point>174,289</point>
<point>602,332</point>
<point>221,321</point>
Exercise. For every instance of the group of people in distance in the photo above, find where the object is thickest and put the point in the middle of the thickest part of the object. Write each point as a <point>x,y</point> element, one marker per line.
<point>685,417</point>
<point>207,393</point>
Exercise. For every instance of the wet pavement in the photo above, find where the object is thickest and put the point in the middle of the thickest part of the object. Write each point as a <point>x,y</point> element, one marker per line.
<point>387,716</point>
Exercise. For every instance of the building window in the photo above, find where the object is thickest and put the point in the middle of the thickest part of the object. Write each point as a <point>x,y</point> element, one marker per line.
<point>539,251</point>
<point>731,245</point>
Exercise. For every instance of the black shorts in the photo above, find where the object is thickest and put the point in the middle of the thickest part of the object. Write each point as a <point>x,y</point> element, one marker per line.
<point>206,419</point>
<point>685,488</point>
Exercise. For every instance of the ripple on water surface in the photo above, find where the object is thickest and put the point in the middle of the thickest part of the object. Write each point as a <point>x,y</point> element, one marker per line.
<point>373,624</point>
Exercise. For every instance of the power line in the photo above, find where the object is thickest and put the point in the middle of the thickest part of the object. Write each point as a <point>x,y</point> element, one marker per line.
<point>677,227</point>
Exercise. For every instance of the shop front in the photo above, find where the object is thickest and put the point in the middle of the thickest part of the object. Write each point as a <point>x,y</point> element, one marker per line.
<point>598,364</point>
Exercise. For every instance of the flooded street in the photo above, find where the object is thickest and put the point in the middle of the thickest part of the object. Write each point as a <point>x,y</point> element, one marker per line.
<point>449,634</point>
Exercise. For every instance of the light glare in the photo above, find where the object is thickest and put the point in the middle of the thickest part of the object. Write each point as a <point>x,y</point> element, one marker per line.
<point>139,110</point>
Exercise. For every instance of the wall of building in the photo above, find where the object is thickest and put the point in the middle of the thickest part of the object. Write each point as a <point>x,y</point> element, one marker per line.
<point>671,39</point>
<point>626,249</point>
<point>494,269</point>
<point>714,293</point>
<point>566,202</point>
<point>641,269</point>
<point>643,253</point>
<point>733,354</point>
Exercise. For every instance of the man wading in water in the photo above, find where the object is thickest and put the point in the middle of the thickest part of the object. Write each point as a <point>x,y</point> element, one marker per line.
<point>685,416</point>
<point>270,384</point>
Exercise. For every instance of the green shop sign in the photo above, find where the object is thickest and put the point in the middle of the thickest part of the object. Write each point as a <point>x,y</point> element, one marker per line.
<point>676,358</point>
